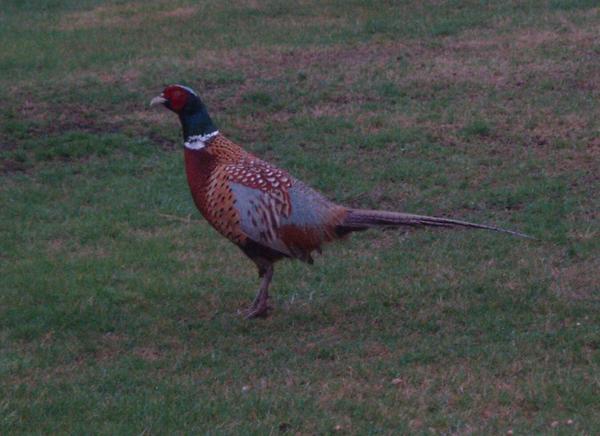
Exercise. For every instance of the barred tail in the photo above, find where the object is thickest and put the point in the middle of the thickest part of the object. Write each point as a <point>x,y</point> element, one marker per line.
<point>362,219</point>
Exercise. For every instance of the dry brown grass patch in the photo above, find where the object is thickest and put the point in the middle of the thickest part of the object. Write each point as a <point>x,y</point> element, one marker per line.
<point>67,250</point>
<point>149,354</point>
<point>572,158</point>
<point>580,281</point>
<point>157,232</point>
<point>182,12</point>
<point>144,116</point>
<point>128,76</point>
<point>271,62</point>
<point>122,16</point>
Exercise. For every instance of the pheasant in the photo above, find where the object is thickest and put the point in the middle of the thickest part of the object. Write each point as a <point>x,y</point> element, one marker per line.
<point>266,212</point>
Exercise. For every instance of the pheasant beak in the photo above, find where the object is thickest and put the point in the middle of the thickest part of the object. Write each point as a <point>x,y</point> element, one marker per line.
<point>159,99</point>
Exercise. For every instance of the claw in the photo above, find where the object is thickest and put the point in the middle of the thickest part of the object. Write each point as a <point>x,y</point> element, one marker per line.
<point>258,311</point>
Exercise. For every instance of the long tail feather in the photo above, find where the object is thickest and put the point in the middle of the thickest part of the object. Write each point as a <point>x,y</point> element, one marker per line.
<point>361,219</point>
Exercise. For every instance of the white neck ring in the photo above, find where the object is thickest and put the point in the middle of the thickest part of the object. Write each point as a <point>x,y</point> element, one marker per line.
<point>198,142</point>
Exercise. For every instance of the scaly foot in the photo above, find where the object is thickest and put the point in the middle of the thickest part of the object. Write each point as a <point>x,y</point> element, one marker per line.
<point>258,309</point>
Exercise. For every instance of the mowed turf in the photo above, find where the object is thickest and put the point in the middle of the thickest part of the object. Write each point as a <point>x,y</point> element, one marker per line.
<point>118,303</point>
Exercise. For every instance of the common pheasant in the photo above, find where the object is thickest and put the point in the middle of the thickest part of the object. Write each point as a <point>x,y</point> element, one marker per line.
<point>267,213</point>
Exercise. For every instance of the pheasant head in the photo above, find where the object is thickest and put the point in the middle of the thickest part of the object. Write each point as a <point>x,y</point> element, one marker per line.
<point>191,110</point>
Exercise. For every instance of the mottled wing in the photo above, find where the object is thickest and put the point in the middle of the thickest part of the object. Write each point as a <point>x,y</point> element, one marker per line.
<point>219,206</point>
<point>280,212</point>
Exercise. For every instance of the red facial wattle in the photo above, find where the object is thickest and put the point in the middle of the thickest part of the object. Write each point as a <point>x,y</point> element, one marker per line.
<point>176,97</point>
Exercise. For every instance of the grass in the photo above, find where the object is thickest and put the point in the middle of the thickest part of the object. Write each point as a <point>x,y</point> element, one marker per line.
<point>118,303</point>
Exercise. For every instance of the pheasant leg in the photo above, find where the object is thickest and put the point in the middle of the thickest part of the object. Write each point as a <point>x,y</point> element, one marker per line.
<point>260,306</point>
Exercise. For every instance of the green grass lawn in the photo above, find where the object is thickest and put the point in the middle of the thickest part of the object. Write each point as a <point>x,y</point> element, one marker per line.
<point>118,303</point>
